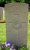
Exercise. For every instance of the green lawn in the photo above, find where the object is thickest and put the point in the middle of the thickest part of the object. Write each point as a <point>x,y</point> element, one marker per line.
<point>28,32</point>
<point>2,32</point>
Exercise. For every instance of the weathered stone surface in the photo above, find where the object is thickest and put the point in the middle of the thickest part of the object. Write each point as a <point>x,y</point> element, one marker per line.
<point>1,12</point>
<point>16,21</point>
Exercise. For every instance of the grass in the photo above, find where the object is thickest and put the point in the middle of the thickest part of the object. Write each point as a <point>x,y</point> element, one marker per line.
<point>28,32</point>
<point>2,32</point>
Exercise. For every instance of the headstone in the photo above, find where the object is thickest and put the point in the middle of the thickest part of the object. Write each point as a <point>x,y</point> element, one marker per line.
<point>1,13</point>
<point>16,22</point>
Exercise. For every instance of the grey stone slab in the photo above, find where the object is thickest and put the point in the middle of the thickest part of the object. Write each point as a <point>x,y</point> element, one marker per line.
<point>1,12</point>
<point>16,22</point>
